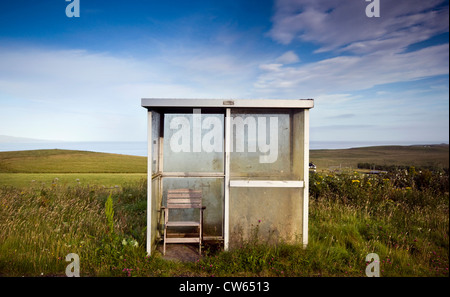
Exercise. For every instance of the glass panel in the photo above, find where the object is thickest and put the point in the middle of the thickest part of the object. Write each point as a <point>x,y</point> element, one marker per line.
<point>212,193</point>
<point>193,142</point>
<point>268,214</point>
<point>155,141</point>
<point>261,145</point>
<point>157,218</point>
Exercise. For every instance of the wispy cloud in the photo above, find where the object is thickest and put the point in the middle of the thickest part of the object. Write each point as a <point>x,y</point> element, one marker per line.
<point>370,51</point>
<point>352,73</point>
<point>86,92</point>
<point>343,25</point>
<point>72,81</point>
<point>288,57</point>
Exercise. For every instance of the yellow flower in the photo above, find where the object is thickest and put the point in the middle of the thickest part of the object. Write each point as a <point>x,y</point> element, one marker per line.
<point>355,181</point>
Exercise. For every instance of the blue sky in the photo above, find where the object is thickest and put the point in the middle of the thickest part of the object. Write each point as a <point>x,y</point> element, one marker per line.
<point>81,79</point>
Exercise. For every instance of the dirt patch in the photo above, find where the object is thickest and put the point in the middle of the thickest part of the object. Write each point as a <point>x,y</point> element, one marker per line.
<point>180,252</point>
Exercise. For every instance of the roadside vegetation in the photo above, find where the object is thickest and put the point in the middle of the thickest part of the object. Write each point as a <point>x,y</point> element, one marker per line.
<point>402,215</point>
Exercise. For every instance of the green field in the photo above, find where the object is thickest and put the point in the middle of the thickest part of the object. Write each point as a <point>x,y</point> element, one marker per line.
<point>432,156</point>
<point>53,203</point>
<point>68,161</point>
<point>44,167</point>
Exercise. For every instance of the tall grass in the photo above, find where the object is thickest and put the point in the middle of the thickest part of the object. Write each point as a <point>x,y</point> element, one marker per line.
<point>40,226</point>
<point>402,216</point>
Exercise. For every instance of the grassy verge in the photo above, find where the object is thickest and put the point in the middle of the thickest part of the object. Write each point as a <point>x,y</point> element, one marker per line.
<point>51,204</point>
<point>403,218</point>
<point>69,179</point>
<point>69,161</point>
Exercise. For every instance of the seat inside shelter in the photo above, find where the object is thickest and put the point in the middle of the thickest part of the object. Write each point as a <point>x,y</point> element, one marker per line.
<point>249,157</point>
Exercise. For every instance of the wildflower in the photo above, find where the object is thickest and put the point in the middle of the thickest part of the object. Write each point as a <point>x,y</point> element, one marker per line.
<point>355,181</point>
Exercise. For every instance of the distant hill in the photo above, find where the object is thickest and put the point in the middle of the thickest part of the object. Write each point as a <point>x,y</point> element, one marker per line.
<point>436,155</point>
<point>69,161</point>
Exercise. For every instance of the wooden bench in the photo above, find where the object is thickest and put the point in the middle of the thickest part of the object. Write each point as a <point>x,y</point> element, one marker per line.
<point>179,199</point>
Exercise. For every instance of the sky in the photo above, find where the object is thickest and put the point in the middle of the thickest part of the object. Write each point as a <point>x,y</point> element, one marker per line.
<point>380,78</point>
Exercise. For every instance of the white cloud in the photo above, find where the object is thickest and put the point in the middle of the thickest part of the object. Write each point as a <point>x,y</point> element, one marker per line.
<point>352,73</point>
<point>344,25</point>
<point>288,57</point>
<point>82,95</point>
<point>271,67</point>
<point>369,55</point>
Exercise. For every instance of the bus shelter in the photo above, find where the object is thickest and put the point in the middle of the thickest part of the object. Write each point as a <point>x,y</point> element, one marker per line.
<point>249,158</point>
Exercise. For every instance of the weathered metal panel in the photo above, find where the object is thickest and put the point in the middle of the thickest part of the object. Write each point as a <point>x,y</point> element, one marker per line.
<point>227,103</point>
<point>265,214</point>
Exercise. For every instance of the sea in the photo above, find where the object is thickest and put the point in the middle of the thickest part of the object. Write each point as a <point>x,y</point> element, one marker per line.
<point>139,148</point>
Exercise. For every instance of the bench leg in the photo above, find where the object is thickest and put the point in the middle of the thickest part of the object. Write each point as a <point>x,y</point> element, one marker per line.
<point>164,246</point>
<point>166,215</point>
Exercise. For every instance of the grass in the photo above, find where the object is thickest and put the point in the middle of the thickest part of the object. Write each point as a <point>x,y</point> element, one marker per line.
<point>68,161</point>
<point>69,179</point>
<point>40,167</point>
<point>416,155</point>
<point>406,226</point>
<point>402,216</point>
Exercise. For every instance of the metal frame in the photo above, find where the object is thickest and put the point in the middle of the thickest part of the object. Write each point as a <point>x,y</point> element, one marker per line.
<point>168,105</point>
<point>226,103</point>
<point>226,205</point>
<point>149,181</point>
<point>267,183</point>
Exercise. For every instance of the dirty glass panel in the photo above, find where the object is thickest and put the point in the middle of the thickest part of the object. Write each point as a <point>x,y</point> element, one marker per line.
<point>266,214</point>
<point>155,140</point>
<point>212,193</point>
<point>193,142</point>
<point>156,203</point>
<point>261,144</point>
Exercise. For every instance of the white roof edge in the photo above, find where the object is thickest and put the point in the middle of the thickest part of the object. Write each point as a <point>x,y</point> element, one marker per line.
<point>249,103</point>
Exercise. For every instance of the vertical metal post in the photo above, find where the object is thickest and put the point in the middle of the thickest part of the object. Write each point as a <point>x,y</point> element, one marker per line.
<point>305,175</point>
<point>226,222</point>
<point>149,182</point>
